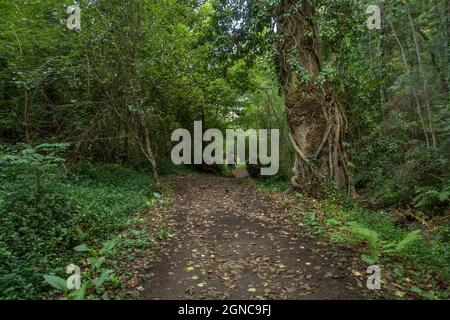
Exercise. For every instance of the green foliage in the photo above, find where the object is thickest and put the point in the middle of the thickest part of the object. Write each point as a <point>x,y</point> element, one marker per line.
<point>264,109</point>
<point>395,104</point>
<point>413,256</point>
<point>386,241</point>
<point>418,176</point>
<point>430,197</point>
<point>56,282</point>
<point>408,240</point>
<point>93,280</point>
<point>311,219</point>
<point>272,184</point>
<point>368,235</point>
<point>40,226</point>
<point>24,163</point>
<point>166,167</point>
<point>377,246</point>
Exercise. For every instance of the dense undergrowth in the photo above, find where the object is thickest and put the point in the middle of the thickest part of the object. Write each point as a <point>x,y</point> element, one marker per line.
<point>45,211</point>
<point>414,255</point>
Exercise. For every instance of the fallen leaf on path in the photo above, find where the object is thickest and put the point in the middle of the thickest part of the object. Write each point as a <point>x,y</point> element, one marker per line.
<point>356,273</point>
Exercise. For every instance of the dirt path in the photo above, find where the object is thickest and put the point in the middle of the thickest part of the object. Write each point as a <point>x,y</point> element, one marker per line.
<point>234,242</point>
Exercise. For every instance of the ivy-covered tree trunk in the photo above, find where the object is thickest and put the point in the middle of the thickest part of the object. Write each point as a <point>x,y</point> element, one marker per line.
<point>316,121</point>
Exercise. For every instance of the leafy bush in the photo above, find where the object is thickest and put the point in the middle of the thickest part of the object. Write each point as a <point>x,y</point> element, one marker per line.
<point>386,240</point>
<point>431,197</point>
<point>399,174</point>
<point>166,167</point>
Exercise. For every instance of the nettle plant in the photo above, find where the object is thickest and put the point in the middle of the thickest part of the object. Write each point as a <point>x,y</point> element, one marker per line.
<point>93,280</point>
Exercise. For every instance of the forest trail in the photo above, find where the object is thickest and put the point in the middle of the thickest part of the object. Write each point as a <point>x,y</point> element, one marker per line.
<point>233,241</point>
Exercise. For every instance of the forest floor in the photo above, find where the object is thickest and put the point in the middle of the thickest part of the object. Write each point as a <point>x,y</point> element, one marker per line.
<point>230,240</point>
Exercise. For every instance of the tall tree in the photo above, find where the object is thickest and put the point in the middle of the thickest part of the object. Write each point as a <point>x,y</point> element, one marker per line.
<point>290,30</point>
<point>316,120</point>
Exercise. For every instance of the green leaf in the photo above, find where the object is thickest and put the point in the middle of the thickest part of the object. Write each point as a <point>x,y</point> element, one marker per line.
<point>444,196</point>
<point>81,248</point>
<point>108,246</point>
<point>368,259</point>
<point>430,295</point>
<point>399,271</point>
<point>368,235</point>
<point>416,290</point>
<point>104,276</point>
<point>333,222</point>
<point>399,294</point>
<point>56,282</point>
<point>93,253</point>
<point>80,293</point>
<point>408,240</point>
<point>98,263</point>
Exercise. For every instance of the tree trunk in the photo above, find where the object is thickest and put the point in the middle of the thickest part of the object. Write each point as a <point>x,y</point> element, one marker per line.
<point>149,152</point>
<point>132,121</point>
<point>426,88</point>
<point>413,89</point>
<point>316,121</point>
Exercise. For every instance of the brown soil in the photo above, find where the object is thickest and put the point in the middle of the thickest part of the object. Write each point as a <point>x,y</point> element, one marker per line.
<point>232,241</point>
